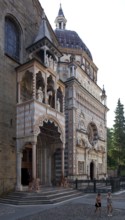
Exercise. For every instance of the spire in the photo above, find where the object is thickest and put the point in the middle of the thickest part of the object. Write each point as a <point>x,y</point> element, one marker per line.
<point>43,30</point>
<point>103,90</point>
<point>60,13</point>
<point>103,96</point>
<point>60,20</point>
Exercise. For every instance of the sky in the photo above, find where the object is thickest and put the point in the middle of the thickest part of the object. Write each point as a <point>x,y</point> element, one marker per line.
<point>101,26</point>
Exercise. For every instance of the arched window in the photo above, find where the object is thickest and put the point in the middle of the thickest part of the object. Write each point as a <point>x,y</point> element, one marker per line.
<point>12,38</point>
<point>92,133</point>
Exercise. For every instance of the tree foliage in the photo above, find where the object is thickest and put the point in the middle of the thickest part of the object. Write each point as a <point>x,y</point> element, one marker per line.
<point>116,140</point>
<point>110,150</point>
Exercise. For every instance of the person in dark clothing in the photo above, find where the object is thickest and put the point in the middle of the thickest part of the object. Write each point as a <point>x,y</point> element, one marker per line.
<point>98,203</point>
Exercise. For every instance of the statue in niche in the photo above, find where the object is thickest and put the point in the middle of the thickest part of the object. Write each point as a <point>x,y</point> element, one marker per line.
<point>51,62</point>
<point>40,95</point>
<point>78,140</point>
<point>58,104</point>
<point>81,125</point>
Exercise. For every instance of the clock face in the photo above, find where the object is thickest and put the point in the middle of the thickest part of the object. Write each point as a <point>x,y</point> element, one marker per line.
<point>92,134</point>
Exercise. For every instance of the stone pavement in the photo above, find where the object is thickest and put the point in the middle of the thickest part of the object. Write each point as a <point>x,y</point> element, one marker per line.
<point>76,209</point>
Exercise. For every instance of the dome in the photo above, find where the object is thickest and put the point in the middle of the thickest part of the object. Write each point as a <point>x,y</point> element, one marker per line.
<point>67,38</point>
<point>70,39</point>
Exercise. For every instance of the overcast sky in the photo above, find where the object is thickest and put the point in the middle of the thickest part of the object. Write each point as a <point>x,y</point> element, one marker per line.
<point>101,26</point>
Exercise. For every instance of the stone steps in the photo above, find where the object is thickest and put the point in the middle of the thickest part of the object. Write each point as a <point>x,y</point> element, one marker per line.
<point>43,196</point>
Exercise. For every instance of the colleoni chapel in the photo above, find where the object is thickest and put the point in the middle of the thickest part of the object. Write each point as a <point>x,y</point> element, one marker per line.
<point>52,111</point>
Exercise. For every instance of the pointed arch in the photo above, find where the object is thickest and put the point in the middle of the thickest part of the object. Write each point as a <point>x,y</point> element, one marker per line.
<point>51,118</point>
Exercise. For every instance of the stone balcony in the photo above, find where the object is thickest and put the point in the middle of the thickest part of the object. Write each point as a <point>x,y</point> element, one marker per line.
<point>29,112</point>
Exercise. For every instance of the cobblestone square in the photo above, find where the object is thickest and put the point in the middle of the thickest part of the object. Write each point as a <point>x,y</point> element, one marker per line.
<point>75,212</point>
<point>82,208</point>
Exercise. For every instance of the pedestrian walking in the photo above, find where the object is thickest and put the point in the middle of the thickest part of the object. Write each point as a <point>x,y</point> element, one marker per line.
<point>109,204</point>
<point>98,203</point>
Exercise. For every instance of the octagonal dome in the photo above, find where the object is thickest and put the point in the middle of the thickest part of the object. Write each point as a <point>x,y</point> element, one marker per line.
<point>70,39</point>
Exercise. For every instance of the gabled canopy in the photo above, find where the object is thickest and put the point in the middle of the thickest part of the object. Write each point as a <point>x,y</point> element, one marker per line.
<point>43,30</point>
<point>45,37</point>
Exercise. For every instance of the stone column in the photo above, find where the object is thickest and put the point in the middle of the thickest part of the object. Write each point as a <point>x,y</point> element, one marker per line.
<point>63,103</point>
<point>96,170</point>
<point>46,95</point>
<point>73,70</point>
<point>34,160</point>
<point>62,150</point>
<point>45,61</point>
<point>19,92</point>
<point>49,169</point>
<point>34,85</point>
<point>45,165</point>
<point>87,171</point>
<point>41,165</point>
<point>86,165</point>
<point>18,170</point>
<point>56,99</point>
<point>103,163</point>
<point>62,25</point>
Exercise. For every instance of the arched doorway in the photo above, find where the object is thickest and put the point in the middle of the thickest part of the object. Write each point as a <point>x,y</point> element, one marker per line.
<point>92,170</point>
<point>47,162</point>
<point>49,153</point>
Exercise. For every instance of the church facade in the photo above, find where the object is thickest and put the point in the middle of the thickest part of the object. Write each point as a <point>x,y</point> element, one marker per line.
<point>52,111</point>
